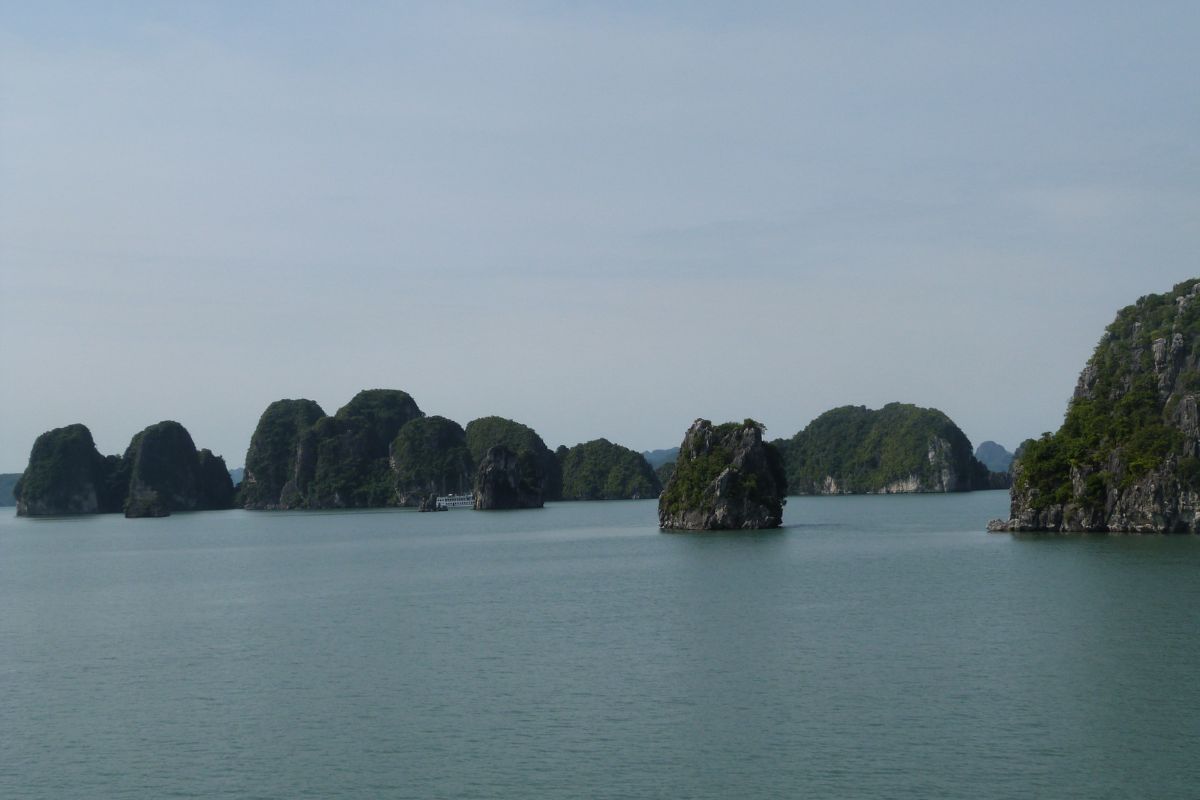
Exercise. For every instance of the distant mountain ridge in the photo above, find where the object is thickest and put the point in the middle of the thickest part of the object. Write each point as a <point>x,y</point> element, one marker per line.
<point>656,458</point>
<point>994,456</point>
<point>8,482</point>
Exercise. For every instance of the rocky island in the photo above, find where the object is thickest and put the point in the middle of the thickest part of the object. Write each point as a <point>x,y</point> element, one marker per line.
<point>1127,456</point>
<point>507,480</point>
<point>301,458</point>
<point>726,478</point>
<point>896,449</point>
<point>515,468</point>
<point>160,472</point>
<point>380,450</point>
<point>167,473</point>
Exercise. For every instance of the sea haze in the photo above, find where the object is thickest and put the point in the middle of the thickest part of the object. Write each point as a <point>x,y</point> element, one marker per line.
<point>876,647</point>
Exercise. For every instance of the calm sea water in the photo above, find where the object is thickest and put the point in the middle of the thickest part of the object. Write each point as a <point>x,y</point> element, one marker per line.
<point>877,647</point>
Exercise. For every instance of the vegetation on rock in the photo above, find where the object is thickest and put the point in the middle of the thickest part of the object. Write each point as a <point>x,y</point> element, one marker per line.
<point>430,456</point>
<point>272,457</point>
<point>538,464</point>
<point>601,470</point>
<point>300,458</point>
<point>160,472</point>
<point>726,477</point>
<point>1127,456</point>
<point>67,475</point>
<point>898,448</point>
<point>166,473</point>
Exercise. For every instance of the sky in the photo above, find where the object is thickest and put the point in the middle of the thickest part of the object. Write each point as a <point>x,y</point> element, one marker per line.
<point>598,219</point>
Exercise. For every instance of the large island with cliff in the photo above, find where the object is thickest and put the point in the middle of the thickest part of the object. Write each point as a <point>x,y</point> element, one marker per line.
<point>1127,456</point>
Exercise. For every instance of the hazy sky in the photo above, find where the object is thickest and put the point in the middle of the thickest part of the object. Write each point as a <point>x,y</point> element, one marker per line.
<point>600,219</point>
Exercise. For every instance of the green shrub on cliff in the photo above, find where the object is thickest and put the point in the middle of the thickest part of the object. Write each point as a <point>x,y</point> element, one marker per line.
<point>601,470</point>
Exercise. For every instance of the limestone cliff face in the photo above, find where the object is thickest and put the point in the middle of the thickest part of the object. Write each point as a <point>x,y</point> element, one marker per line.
<point>166,473</point>
<point>726,478</point>
<point>67,475</point>
<point>1127,457</point>
<point>502,481</point>
<point>899,448</point>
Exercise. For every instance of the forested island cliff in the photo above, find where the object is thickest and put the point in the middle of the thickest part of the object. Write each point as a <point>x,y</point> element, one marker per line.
<point>1127,456</point>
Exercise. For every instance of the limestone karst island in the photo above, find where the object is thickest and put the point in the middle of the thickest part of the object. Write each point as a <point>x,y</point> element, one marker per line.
<point>380,450</point>
<point>1126,458</point>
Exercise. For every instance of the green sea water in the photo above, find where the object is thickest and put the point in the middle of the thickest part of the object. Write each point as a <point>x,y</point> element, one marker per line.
<point>876,647</point>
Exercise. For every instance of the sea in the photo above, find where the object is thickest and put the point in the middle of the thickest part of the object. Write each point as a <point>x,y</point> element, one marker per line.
<point>874,647</point>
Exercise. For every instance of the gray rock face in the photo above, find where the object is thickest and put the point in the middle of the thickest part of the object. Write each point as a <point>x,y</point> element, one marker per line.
<point>726,478</point>
<point>501,482</point>
<point>1127,458</point>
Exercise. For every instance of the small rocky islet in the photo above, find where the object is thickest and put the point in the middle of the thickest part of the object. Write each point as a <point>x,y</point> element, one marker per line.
<point>725,478</point>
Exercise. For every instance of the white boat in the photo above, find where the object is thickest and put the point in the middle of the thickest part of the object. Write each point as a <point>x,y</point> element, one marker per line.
<point>456,501</point>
